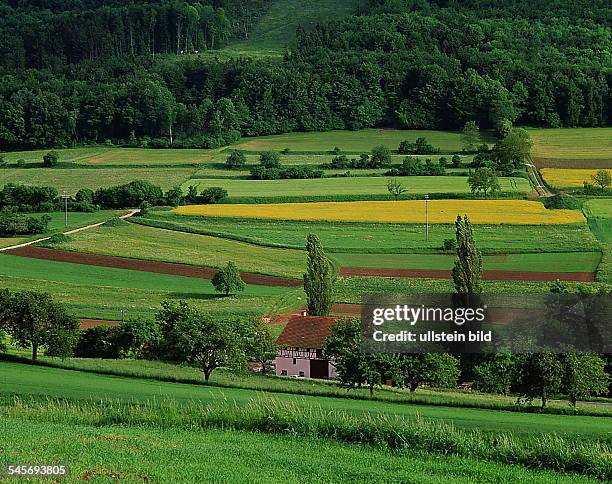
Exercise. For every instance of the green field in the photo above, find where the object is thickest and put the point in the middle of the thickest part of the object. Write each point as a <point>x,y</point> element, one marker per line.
<point>104,155</point>
<point>573,143</point>
<point>31,380</point>
<point>383,238</point>
<point>141,242</point>
<point>599,213</point>
<point>72,179</point>
<point>275,30</point>
<point>106,454</point>
<point>350,186</point>
<point>57,224</point>
<point>101,292</point>
<point>545,262</point>
<point>349,141</point>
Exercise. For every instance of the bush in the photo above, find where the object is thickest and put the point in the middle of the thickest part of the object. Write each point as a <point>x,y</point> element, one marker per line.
<point>129,195</point>
<point>449,245</point>
<point>235,160</point>
<point>419,147</point>
<point>270,159</point>
<point>13,223</point>
<point>562,201</point>
<point>292,172</point>
<point>98,342</point>
<point>380,156</point>
<point>51,159</point>
<point>212,195</point>
<point>21,163</point>
<point>137,338</point>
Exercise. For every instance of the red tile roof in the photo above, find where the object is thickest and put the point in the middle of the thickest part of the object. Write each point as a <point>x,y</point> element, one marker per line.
<point>306,332</point>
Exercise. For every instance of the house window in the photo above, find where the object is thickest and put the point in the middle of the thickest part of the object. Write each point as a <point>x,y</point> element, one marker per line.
<point>301,373</point>
<point>283,372</point>
<point>294,361</point>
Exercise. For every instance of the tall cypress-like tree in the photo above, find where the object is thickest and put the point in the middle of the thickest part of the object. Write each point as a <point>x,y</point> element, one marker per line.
<point>468,266</point>
<point>319,278</point>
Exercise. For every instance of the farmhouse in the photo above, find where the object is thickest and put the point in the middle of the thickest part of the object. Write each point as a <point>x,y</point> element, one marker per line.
<point>301,346</point>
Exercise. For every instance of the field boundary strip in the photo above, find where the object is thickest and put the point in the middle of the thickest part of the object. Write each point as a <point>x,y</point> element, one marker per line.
<point>203,272</point>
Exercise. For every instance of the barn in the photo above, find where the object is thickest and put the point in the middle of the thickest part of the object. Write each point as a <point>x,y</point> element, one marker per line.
<point>301,348</point>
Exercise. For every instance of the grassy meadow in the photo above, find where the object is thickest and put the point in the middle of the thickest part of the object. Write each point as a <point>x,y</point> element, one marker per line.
<point>275,30</point>
<point>349,141</point>
<point>380,237</point>
<point>27,380</point>
<point>545,262</point>
<point>72,179</point>
<point>350,186</point>
<point>103,293</point>
<point>106,453</point>
<point>57,224</point>
<point>518,212</point>
<point>572,143</point>
<point>599,213</point>
<point>142,242</point>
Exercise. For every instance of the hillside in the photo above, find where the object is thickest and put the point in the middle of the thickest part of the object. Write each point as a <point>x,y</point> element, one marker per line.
<point>276,29</point>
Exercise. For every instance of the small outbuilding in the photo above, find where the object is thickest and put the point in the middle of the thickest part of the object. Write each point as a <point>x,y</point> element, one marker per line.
<point>301,348</point>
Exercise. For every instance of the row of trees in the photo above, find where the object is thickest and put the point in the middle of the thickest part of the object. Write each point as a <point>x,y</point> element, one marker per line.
<point>411,67</point>
<point>37,35</point>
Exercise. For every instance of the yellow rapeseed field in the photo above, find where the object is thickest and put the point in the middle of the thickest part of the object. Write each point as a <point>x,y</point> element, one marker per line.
<point>520,212</point>
<point>568,178</point>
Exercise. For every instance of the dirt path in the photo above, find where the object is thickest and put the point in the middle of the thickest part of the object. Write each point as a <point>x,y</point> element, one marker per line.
<point>536,178</point>
<point>69,232</point>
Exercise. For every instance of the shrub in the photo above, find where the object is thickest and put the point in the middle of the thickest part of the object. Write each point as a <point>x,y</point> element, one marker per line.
<point>21,163</point>
<point>562,201</point>
<point>235,160</point>
<point>212,195</point>
<point>51,159</point>
<point>270,159</point>
<point>449,245</point>
<point>97,342</point>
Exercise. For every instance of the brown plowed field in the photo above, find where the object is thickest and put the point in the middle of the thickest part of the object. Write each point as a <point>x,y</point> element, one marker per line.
<point>486,275</point>
<point>93,323</point>
<point>560,163</point>
<point>171,268</point>
<point>187,270</point>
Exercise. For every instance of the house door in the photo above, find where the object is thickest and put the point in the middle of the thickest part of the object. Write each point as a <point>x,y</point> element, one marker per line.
<point>319,369</point>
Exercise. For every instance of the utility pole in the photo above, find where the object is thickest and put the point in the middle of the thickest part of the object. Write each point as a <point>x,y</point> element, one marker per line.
<point>426,218</point>
<point>66,197</point>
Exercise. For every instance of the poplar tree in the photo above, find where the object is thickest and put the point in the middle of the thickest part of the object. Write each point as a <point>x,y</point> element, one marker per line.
<point>319,278</point>
<point>468,265</point>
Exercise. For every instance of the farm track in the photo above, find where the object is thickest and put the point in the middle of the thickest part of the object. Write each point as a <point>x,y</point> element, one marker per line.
<point>186,270</point>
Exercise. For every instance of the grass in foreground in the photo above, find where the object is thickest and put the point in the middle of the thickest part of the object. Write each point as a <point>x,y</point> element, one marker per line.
<point>24,380</point>
<point>267,415</point>
<point>381,238</point>
<point>107,452</point>
<point>517,212</point>
<point>170,372</point>
<point>350,186</point>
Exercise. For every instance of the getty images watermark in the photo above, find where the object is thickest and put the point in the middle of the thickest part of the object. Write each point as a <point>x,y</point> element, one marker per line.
<point>402,323</point>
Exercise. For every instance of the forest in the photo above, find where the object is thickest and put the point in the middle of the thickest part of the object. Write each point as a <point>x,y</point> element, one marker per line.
<point>100,71</point>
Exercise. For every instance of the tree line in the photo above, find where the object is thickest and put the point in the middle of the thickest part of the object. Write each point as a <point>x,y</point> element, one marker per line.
<point>423,65</point>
